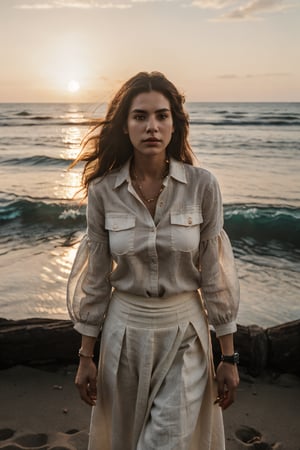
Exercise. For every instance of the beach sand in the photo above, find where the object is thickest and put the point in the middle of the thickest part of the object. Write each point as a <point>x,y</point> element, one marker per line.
<point>41,409</point>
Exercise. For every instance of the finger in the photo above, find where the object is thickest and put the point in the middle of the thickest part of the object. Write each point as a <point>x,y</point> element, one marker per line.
<point>86,397</point>
<point>228,399</point>
<point>84,393</point>
<point>221,388</point>
<point>93,385</point>
<point>92,388</point>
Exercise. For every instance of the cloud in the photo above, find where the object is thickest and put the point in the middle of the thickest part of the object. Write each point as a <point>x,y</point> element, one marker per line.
<point>212,4</point>
<point>85,4</point>
<point>34,6</point>
<point>231,76</point>
<point>254,9</point>
<point>75,4</point>
<point>234,10</point>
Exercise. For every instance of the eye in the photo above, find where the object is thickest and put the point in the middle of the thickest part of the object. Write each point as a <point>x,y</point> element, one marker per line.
<point>139,117</point>
<point>163,116</point>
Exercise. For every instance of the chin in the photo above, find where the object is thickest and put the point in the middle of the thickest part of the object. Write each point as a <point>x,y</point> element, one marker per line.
<point>150,151</point>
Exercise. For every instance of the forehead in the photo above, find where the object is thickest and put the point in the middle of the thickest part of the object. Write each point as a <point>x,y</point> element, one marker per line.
<point>148,101</point>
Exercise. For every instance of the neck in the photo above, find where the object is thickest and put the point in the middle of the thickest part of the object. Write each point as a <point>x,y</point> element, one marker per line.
<point>150,167</point>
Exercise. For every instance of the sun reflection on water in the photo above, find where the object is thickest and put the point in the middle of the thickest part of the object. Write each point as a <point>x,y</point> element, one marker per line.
<point>59,265</point>
<point>55,269</point>
<point>69,184</point>
<point>66,259</point>
<point>71,138</point>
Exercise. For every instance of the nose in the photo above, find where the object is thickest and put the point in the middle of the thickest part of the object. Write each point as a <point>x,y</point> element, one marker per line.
<point>152,125</point>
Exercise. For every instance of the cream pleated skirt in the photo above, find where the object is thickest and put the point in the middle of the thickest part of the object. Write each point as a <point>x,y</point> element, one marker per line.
<point>156,386</point>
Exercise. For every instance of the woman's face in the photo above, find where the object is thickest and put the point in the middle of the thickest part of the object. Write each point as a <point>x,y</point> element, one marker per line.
<point>150,123</point>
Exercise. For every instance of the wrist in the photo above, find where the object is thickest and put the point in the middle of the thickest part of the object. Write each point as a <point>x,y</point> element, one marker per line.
<point>233,358</point>
<point>85,354</point>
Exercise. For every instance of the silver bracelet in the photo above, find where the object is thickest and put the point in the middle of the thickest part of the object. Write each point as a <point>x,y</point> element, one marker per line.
<point>84,355</point>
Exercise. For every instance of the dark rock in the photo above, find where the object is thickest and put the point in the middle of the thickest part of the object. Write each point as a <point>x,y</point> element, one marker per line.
<point>284,343</point>
<point>36,341</point>
<point>45,341</point>
<point>252,344</point>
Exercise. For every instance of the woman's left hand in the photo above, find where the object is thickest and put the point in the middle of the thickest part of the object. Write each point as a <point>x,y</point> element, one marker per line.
<point>227,376</point>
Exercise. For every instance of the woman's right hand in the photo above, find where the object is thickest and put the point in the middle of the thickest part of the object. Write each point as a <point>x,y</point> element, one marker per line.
<point>86,380</point>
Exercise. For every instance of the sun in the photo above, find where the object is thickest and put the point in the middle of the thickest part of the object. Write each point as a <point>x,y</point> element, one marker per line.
<point>73,86</point>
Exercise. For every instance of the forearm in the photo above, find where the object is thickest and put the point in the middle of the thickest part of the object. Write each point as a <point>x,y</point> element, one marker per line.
<point>226,344</point>
<point>87,345</point>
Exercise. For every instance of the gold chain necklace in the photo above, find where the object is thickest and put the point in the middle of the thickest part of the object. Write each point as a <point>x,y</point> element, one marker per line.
<point>139,186</point>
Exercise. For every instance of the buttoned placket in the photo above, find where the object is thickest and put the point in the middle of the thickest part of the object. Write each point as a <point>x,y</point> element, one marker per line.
<point>153,224</point>
<point>161,202</point>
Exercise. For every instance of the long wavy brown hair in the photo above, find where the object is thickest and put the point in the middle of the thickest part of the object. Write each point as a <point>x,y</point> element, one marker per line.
<point>107,147</point>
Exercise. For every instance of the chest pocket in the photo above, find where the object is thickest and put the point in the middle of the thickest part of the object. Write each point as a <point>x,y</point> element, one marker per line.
<point>121,228</point>
<point>185,230</point>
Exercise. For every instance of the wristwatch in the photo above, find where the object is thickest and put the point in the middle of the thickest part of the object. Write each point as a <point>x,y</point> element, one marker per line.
<point>231,359</point>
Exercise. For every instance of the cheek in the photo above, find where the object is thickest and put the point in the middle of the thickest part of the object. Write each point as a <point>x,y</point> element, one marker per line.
<point>133,133</point>
<point>170,130</point>
<point>135,128</point>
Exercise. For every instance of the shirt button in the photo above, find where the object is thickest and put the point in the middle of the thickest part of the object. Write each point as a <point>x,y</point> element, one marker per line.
<point>190,220</point>
<point>115,227</point>
<point>161,203</point>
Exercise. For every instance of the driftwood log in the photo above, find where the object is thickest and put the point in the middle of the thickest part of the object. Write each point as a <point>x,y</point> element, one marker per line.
<point>43,341</point>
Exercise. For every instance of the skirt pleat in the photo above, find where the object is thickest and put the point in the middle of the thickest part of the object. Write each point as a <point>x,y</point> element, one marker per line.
<point>156,386</point>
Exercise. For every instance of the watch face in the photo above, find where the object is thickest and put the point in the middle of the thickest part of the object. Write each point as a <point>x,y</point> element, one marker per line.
<point>236,357</point>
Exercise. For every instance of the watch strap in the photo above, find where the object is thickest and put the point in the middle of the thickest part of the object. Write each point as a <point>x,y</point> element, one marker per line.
<point>231,359</point>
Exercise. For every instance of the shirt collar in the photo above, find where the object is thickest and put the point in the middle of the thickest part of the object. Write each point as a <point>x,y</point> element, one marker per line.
<point>177,171</point>
<point>123,174</point>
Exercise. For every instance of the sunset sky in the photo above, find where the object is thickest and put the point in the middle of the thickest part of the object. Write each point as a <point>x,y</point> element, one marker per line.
<point>213,50</point>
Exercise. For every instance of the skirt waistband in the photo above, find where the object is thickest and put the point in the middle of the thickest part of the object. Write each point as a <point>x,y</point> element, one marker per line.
<point>156,312</point>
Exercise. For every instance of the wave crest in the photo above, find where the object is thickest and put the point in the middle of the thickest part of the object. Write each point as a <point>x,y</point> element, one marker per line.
<point>261,223</point>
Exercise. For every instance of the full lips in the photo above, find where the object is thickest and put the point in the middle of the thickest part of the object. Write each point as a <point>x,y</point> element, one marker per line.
<point>151,140</point>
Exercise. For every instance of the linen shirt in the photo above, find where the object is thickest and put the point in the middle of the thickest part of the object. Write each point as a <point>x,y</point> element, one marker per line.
<point>182,248</point>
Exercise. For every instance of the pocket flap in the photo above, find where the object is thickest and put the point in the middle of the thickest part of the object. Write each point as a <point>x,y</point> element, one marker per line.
<point>186,219</point>
<point>119,221</point>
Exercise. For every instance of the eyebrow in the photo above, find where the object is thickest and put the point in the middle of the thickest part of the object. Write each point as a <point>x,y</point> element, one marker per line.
<point>142,111</point>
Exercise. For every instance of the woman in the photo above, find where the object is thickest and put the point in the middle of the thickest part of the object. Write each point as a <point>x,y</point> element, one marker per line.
<point>153,269</point>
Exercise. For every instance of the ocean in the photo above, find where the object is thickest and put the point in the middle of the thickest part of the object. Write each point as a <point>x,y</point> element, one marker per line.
<point>252,148</point>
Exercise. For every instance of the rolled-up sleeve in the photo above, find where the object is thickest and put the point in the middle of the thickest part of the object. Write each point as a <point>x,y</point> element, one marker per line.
<point>89,288</point>
<point>219,281</point>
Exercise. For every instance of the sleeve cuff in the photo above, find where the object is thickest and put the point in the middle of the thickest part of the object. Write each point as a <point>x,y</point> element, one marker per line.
<point>225,328</point>
<point>88,330</point>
